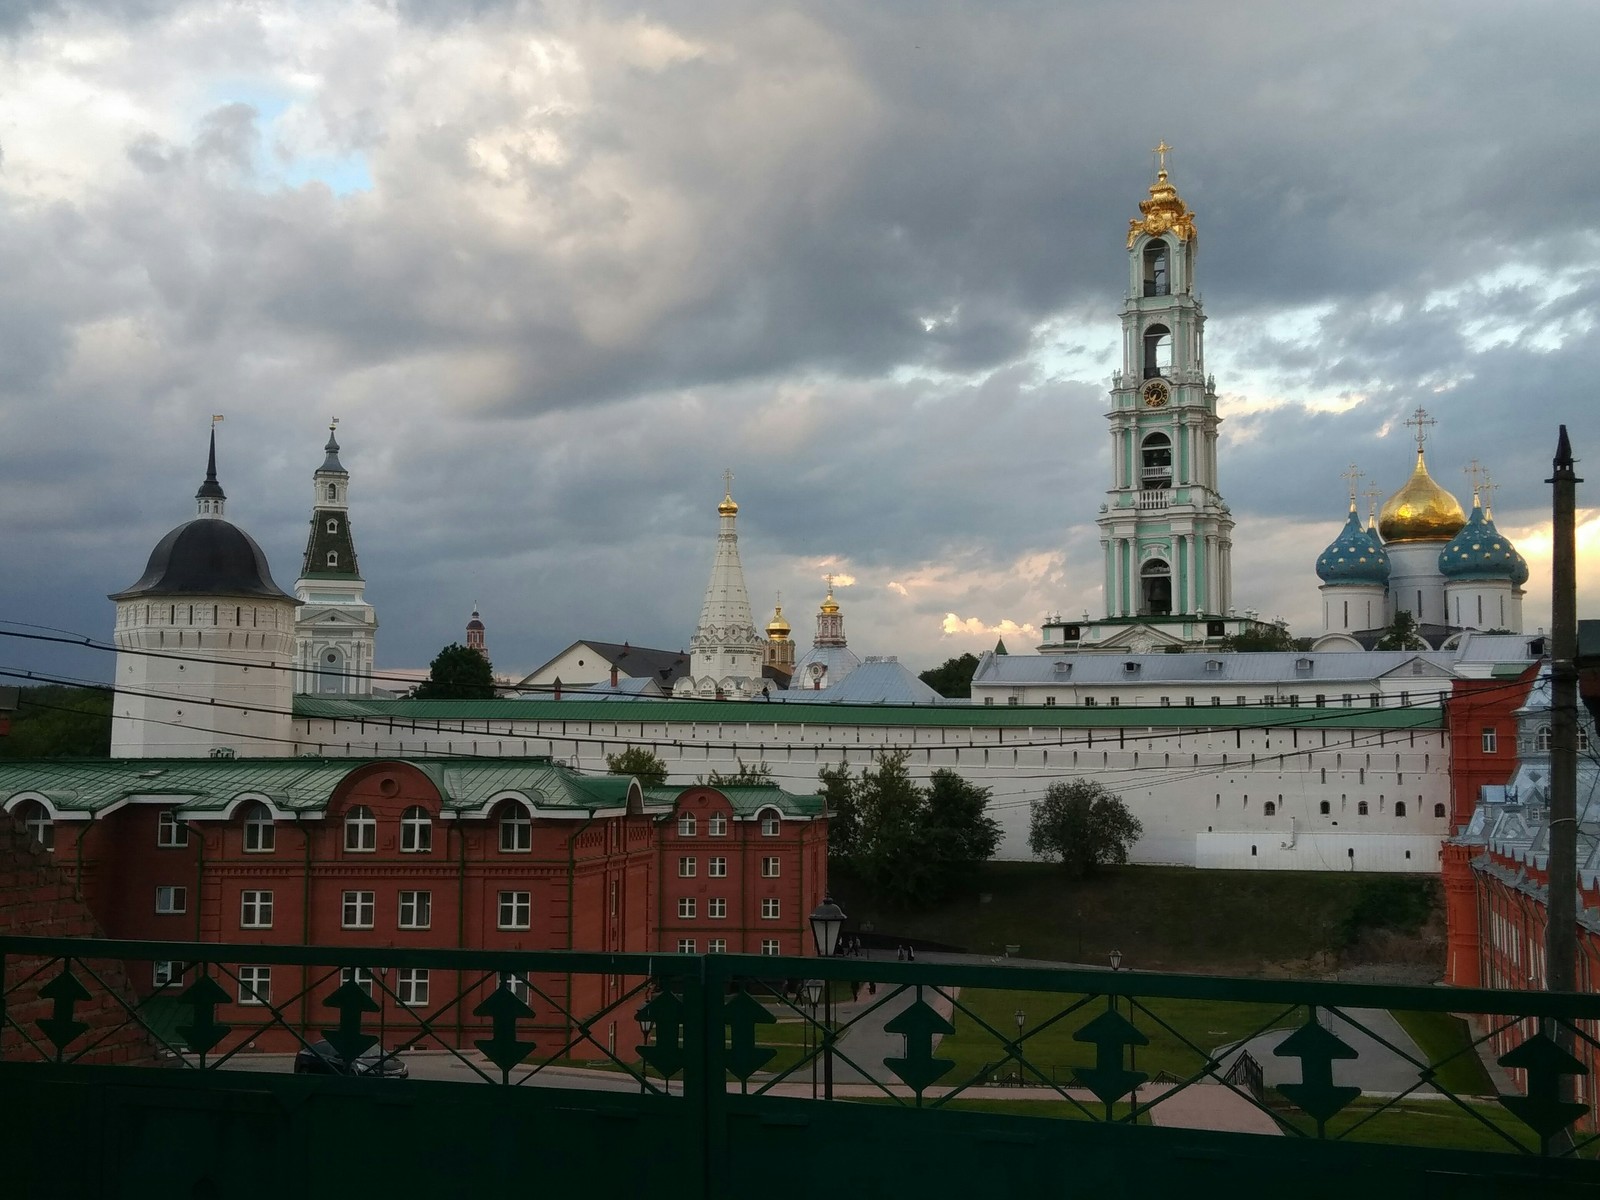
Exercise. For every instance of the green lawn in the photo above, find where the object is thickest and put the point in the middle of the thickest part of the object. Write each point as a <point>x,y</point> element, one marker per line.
<point>1049,1045</point>
<point>1442,1037</point>
<point>1056,1109</point>
<point>1425,1123</point>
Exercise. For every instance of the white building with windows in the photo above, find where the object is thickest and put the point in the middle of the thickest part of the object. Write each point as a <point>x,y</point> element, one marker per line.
<point>336,629</point>
<point>726,654</point>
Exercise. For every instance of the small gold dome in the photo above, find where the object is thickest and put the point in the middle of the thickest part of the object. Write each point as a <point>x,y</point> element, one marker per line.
<point>829,605</point>
<point>1421,511</point>
<point>728,508</point>
<point>777,628</point>
<point>1164,212</point>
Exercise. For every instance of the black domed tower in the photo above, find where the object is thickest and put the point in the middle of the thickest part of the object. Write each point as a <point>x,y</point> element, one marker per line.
<point>205,643</point>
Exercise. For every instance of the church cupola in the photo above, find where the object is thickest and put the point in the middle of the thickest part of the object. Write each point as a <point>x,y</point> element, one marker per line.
<point>830,621</point>
<point>830,659</point>
<point>1415,524</point>
<point>1354,570</point>
<point>726,654</point>
<point>1481,569</point>
<point>477,635</point>
<point>211,500</point>
<point>780,645</point>
<point>336,629</point>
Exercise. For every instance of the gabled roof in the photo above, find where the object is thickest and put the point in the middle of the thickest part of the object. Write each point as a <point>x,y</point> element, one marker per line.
<point>748,800</point>
<point>666,667</point>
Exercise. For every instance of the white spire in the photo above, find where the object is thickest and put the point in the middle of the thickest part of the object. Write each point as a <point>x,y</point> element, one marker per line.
<point>726,650</point>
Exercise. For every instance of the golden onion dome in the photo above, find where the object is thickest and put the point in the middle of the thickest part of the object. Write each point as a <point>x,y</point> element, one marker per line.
<point>777,628</point>
<point>728,508</point>
<point>1421,511</point>
<point>1164,212</point>
<point>829,605</point>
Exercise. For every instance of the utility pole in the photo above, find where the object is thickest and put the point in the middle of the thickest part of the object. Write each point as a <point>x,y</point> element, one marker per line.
<point>1561,930</point>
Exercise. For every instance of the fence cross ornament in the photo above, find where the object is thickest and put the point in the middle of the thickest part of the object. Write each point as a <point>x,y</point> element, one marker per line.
<point>918,1023</point>
<point>741,1015</point>
<point>65,992</point>
<point>1316,1048</point>
<point>204,1031</point>
<point>504,1009</point>
<point>665,1053</point>
<point>348,1041</point>
<point>1542,1109</point>
<point>1107,1079</point>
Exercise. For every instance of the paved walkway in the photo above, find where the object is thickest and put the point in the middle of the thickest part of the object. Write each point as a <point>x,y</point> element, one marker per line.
<point>1377,1069</point>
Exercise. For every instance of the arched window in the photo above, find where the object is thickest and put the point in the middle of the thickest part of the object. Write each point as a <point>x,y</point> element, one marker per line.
<point>686,825</point>
<point>333,491</point>
<point>1541,738</point>
<point>1269,809</point>
<point>1438,810</point>
<point>333,558</point>
<point>40,825</point>
<point>1324,808</point>
<point>1361,808</point>
<point>1156,280</point>
<point>360,829</point>
<point>260,834</point>
<point>333,526</point>
<point>769,824</point>
<point>416,831</point>
<point>1399,808</point>
<point>516,829</point>
<point>1157,351</point>
<point>1155,589</point>
<point>1157,469</point>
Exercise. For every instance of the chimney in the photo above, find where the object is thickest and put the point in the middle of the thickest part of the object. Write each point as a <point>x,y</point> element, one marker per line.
<point>613,675</point>
<point>558,687</point>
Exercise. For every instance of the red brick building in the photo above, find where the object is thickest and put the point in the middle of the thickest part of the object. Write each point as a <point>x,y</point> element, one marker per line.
<point>513,854</point>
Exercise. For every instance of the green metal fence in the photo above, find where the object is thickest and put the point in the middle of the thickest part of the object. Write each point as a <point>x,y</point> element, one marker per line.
<point>703,1076</point>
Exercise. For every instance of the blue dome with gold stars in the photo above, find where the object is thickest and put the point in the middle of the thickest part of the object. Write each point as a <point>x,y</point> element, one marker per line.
<point>1354,557</point>
<point>1480,551</point>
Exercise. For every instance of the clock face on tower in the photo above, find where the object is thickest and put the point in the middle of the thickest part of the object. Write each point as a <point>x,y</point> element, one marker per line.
<point>1155,394</point>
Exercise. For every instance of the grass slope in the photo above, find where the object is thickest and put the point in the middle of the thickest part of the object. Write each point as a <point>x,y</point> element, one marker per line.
<point>1161,918</point>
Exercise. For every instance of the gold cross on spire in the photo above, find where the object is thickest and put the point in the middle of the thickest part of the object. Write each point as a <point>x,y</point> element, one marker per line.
<point>1161,153</point>
<point>727,481</point>
<point>1372,494</point>
<point>829,578</point>
<point>1352,476</point>
<point>1421,422</point>
<point>1474,473</point>
<point>1488,487</point>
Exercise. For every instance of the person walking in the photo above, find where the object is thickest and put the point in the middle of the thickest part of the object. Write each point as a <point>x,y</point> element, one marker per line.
<point>900,953</point>
<point>911,954</point>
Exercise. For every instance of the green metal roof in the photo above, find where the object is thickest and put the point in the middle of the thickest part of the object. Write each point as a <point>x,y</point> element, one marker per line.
<point>748,800</point>
<point>959,716</point>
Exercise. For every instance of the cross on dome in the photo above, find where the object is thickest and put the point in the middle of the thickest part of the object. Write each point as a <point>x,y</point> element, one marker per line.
<point>1372,493</point>
<point>1161,153</point>
<point>1352,475</point>
<point>1421,422</point>
<point>1488,487</point>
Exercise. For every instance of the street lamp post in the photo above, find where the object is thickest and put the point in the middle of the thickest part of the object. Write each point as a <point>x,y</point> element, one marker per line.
<point>827,920</point>
<point>1021,1019</point>
<point>1133,1051</point>
<point>813,995</point>
<point>383,1017</point>
<point>647,1026</point>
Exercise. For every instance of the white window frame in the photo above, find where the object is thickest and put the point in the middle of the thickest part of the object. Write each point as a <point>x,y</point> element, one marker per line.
<point>686,825</point>
<point>687,865</point>
<point>717,908</point>
<point>771,824</point>
<point>167,972</point>
<point>360,976</point>
<point>416,832</point>
<point>260,833</point>
<point>771,866</point>
<point>171,833</point>
<point>420,906</point>
<point>41,825</point>
<point>411,986</point>
<point>685,945</point>
<point>171,899</point>
<point>686,908</point>
<point>717,867</point>
<point>516,830</point>
<point>358,909</point>
<point>255,986</point>
<point>514,910</point>
<point>255,908</point>
<point>1491,740</point>
<point>771,908</point>
<point>717,946</point>
<point>769,947</point>
<point>360,830</point>
<point>717,825</point>
<point>516,984</point>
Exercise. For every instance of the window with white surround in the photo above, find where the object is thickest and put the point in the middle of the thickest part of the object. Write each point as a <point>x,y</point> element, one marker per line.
<point>333,558</point>
<point>686,908</point>
<point>770,867</point>
<point>172,899</point>
<point>769,824</point>
<point>1491,740</point>
<point>769,947</point>
<point>360,829</point>
<point>411,986</point>
<point>360,910</point>
<point>416,831</point>
<point>517,985</point>
<point>171,832</point>
<point>686,867</point>
<point>255,910</point>
<point>260,834</point>
<point>416,910</point>
<point>360,976</point>
<point>717,825</point>
<point>333,526</point>
<point>41,828</point>
<point>516,910</point>
<point>255,985</point>
<point>686,825</point>
<point>1541,738</point>
<point>717,946</point>
<point>516,830</point>
<point>769,908</point>
<point>717,868</point>
<point>685,945</point>
<point>717,908</point>
<point>168,972</point>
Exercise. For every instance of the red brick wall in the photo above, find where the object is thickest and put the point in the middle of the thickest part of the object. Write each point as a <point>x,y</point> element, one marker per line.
<point>1476,705</point>
<point>37,898</point>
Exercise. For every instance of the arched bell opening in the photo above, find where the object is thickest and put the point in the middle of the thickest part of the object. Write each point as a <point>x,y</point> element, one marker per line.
<point>1157,351</point>
<point>1155,589</point>
<point>330,672</point>
<point>1156,471</point>
<point>1157,277</point>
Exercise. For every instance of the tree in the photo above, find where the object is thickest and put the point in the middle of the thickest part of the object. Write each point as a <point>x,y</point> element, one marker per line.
<point>1256,641</point>
<point>759,775</point>
<point>914,845</point>
<point>1082,825</point>
<point>953,677</point>
<point>59,722</point>
<point>457,673</point>
<point>1401,634</point>
<point>643,765</point>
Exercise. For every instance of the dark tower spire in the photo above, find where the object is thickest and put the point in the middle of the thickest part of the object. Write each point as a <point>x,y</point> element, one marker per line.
<point>211,497</point>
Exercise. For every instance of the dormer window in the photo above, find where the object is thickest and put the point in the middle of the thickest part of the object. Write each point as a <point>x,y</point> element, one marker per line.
<point>1302,664</point>
<point>333,558</point>
<point>333,527</point>
<point>1130,668</point>
<point>1213,664</point>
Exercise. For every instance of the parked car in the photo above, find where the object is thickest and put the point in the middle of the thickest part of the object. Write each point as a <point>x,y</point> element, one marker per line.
<point>320,1058</point>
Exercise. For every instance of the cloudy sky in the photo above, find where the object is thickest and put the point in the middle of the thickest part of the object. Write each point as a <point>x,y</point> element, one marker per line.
<point>556,266</point>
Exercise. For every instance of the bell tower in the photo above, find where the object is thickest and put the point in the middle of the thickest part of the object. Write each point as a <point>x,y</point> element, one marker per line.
<point>1165,533</point>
